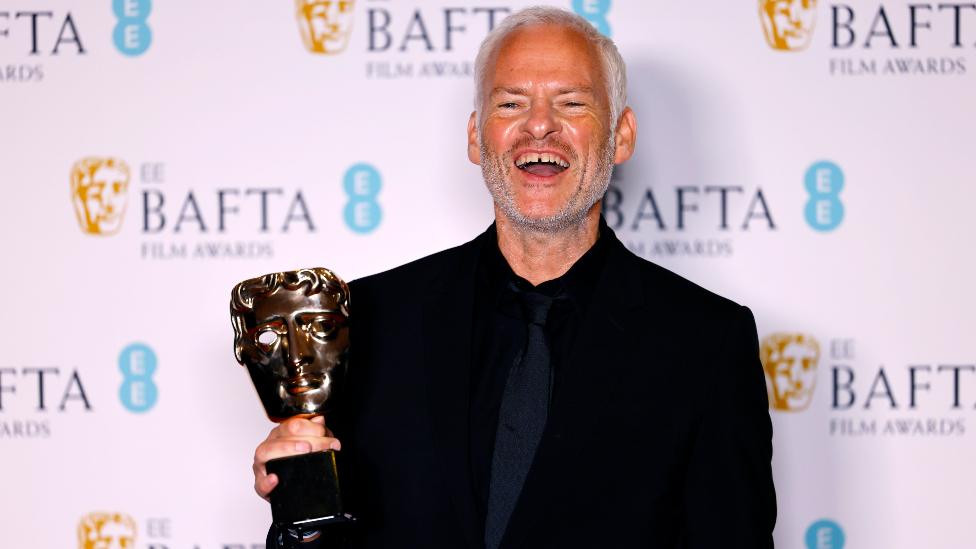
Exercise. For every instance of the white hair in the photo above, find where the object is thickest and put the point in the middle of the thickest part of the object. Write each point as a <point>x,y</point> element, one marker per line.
<point>613,65</point>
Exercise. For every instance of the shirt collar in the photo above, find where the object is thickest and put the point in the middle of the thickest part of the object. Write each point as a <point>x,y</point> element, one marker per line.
<point>577,284</point>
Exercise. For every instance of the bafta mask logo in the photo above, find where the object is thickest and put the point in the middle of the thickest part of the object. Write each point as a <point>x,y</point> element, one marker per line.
<point>325,24</point>
<point>99,189</point>
<point>106,531</point>
<point>790,362</point>
<point>788,24</point>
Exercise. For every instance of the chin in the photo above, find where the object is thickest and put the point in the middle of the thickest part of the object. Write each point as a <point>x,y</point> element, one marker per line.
<point>535,207</point>
<point>538,213</point>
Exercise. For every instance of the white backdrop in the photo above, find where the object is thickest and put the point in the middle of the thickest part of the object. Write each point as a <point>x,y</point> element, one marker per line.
<point>222,101</point>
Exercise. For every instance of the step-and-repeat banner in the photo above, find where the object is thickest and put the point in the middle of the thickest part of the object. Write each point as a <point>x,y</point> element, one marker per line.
<point>813,160</point>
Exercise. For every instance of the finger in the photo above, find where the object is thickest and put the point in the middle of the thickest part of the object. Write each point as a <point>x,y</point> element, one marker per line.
<point>321,421</point>
<point>292,446</point>
<point>318,444</point>
<point>279,448</point>
<point>297,426</point>
<point>264,484</point>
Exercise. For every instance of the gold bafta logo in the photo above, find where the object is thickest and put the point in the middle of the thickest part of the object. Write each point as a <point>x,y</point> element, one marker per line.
<point>99,188</point>
<point>106,531</point>
<point>790,362</point>
<point>325,24</point>
<point>788,24</point>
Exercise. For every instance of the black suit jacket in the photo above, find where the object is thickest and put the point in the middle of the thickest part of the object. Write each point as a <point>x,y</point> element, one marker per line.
<point>659,437</point>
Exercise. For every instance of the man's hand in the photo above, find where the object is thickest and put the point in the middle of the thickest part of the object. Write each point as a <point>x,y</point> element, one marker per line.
<point>291,437</point>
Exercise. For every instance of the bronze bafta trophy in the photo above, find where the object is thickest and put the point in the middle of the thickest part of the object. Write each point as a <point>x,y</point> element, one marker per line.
<point>291,332</point>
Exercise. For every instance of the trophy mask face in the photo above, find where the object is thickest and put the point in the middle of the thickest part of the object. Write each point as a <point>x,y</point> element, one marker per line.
<point>294,343</point>
<point>788,24</point>
<point>107,531</point>
<point>99,187</point>
<point>790,362</point>
<point>325,24</point>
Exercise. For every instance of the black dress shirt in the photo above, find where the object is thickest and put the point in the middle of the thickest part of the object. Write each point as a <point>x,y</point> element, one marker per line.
<point>500,335</point>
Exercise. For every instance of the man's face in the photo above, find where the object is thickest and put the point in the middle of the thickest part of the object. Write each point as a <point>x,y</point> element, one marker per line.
<point>99,189</point>
<point>290,350</point>
<point>545,141</point>
<point>791,370</point>
<point>788,24</point>
<point>325,24</point>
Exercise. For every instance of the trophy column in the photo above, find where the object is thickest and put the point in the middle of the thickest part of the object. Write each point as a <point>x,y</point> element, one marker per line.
<point>291,332</point>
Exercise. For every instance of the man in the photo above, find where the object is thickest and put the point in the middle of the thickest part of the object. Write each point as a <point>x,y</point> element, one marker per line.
<point>541,386</point>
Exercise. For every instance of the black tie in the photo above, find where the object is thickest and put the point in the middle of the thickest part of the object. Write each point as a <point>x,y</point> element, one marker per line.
<point>521,418</point>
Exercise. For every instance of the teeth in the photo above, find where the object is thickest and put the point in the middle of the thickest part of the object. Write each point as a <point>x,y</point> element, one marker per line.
<point>541,157</point>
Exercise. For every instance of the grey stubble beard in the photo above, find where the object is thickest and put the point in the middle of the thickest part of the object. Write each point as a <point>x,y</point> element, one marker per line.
<point>496,168</point>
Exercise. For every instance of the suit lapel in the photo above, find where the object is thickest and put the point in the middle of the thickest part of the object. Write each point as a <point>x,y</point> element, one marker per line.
<point>447,327</point>
<point>602,352</point>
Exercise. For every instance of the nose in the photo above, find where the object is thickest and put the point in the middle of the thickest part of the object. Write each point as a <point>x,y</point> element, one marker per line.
<point>541,120</point>
<point>796,373</point>
<point>299,349</point>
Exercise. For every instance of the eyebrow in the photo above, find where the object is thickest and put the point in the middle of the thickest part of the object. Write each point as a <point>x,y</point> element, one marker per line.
<point>524,91</point>
<point>575,89</point>
<point>510,91</point>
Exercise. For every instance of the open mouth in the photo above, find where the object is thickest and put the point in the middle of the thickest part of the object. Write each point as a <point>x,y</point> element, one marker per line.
<point>541,164</point>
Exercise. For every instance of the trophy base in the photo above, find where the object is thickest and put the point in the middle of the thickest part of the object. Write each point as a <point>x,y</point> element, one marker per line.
<point>307,497</point>
<point>334,527</point>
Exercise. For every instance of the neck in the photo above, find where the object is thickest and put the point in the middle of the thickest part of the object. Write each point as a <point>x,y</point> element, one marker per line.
<point>539,256</point>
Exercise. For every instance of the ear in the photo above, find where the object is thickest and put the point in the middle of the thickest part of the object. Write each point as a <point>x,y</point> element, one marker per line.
<point>474,151</point>
<point>625,136</point>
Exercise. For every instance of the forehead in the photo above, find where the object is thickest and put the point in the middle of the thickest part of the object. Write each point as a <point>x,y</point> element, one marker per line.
<point>797,348</point>
<point>799,3</point>
<point>283,303</point>
<point>546,54</point>
<point>108,172</point>
<point>116,528</point>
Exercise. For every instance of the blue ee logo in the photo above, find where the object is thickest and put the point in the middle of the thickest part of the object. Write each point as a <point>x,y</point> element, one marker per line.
<point>362,183</point>
<point>594,11</point>
<point>824,182</point>
<point>138,391</point>
<point>825,534</point>
<point>132,36</point>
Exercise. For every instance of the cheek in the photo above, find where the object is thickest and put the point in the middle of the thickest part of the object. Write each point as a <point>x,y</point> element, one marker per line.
<point>499,135</point>
<point>252,354</point>
<point>587,138</point>
<point>325,356</point>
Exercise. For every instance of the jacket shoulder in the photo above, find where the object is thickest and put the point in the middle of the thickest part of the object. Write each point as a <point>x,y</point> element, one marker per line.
<point>667,287</point>
<point>418,275</point>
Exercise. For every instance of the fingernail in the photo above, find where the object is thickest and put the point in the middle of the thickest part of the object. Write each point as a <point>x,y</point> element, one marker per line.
<point>334,445</point>
<point>319,419</point>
